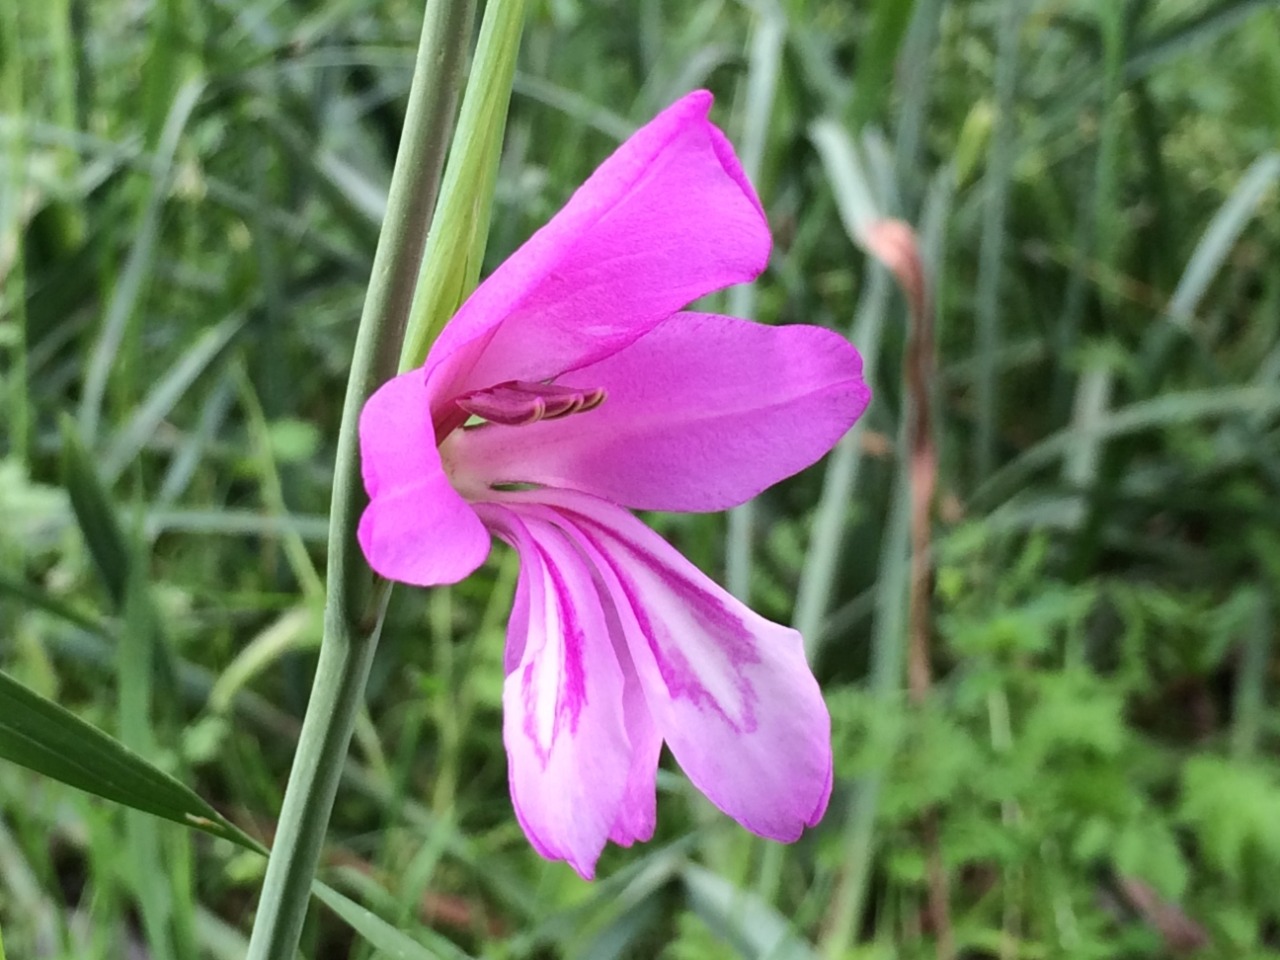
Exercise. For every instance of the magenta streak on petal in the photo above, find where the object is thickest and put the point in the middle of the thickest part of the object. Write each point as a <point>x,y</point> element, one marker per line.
<point>679,676</point>
<point>518,403</point>
<point>573,691</point>
<point>553,598</point>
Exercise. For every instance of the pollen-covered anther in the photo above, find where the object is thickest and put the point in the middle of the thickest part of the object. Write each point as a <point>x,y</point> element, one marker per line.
<point>517,403</point>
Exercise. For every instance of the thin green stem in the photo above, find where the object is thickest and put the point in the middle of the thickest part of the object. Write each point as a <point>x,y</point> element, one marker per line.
<point>996,186</point>
<point>762,84</point>
<point>352,617</point>
<point>450,266</point>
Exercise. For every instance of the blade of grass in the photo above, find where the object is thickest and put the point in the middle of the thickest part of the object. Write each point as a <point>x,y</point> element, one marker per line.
<point>138,266</point>
<point>1098,226</point>
<point>756,930</point>
<point>40,735</point>
<point>273,491</point>
<point>888,655</point>
<point>1197,31</point>
<point>1220,237</point>
<point>917,60</point>
<point>855,193</point>
<point>13,188</point>
<point>762,84</point>
<point>184,463</point>
<point>1167,410</point>
<point>764,61</point>
<point>389,941</point>
<point>141,426</point>
<point>878,56</point>
<point>996,186</point>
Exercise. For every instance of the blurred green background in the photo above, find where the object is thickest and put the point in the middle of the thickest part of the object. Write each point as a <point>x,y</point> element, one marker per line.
<point>190,194</point>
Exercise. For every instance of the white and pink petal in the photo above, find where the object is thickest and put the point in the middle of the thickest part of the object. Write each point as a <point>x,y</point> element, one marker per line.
<point>729,691</point>
<point>568,751</point>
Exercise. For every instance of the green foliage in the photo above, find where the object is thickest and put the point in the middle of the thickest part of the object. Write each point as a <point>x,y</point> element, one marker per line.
<point>189,198</point>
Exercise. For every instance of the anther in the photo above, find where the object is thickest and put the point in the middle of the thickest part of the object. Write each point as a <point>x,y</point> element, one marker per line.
<point>518,403</point>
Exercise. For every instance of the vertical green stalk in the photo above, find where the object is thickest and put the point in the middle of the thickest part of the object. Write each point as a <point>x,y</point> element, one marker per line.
<point>887,658</point>
<point>1250,706</point>
<point>765,58</point>
<point>352,621</point>
<point>455,249</point>
<point>991,246</point>
<point>12,228</point>
<point>762,84</point>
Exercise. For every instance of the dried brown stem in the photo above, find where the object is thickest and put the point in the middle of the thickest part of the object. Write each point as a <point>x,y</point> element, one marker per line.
<point>894,243</point>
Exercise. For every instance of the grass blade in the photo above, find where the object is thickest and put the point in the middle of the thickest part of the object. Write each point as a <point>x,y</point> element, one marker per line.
<point>164,396</point>
<point>137,269</point>
<point>40,735</point>
<point>1220,237</point>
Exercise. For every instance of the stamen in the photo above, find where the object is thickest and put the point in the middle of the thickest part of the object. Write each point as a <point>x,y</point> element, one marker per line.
<point>518,403</point>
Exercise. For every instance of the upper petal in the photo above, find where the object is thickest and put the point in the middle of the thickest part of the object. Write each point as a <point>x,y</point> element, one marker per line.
<point>729,690</point>
<point>416,529</point>
<point>701,413</point>
<point>669,217</point>
<point>568,750</point>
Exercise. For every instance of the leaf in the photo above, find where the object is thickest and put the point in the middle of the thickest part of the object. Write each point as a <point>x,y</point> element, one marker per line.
<point>130,440</point>
<point>107,544</point>
<point>1220,237</point>
<point>378,932</point>
<point>40,735</point>
<point>1231,807</point>
<point>754,927</point>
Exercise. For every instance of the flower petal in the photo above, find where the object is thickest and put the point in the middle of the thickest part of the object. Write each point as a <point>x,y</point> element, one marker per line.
<point>638,811</point>
<point>416,529</point>
<point>667,218</point>
<point>730,691</point>
<point>701,413</point>
<point>563,725</point>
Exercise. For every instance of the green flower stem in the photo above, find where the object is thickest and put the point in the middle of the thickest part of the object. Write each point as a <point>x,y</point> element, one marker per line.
<point>353,615</point>
<point>451,264</point>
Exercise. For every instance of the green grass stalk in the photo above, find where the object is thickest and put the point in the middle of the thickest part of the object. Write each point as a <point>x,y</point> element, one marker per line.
<point>13,293</point>
<point>352,622</point>
<point>991,251</point>
<point>445,277</point>
<point>762,84</point>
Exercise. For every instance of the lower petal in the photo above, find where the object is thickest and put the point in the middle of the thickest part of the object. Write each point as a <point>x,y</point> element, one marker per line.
<point>638,812</point>
<point>563,702</point>
<point>730,691</point>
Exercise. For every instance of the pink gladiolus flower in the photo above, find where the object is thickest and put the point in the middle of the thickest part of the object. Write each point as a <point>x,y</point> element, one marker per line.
<point>598,395</point>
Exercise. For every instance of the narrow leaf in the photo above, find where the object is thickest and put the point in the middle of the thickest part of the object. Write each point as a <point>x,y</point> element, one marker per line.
<point>162,398</point>
<point>754,927</point>
<point>382,935</point>
<point>1221,236</point>
<point>40,735</point>
<point>106,541</point>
